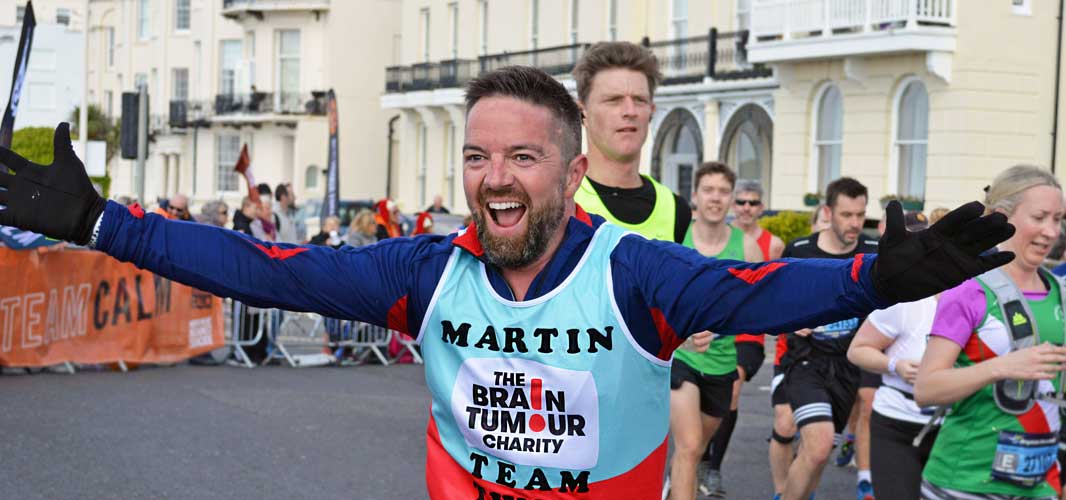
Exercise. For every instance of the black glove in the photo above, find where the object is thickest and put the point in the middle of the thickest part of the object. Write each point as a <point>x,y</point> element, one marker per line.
<point>56,200</point>
<point>912,266</point>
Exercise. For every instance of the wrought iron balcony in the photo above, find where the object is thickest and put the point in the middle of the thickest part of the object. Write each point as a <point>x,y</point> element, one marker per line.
<point>186,113</point>
<point>285,103</point>
<point>457,72</point>
<point>721,56</point>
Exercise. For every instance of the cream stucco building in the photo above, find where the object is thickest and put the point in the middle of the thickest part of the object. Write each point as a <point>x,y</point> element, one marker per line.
<point>224,73</point>
<point>921,98</point>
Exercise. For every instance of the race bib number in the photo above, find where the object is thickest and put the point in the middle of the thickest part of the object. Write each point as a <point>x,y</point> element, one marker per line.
<point>838,330</point>
<point>528,413</point>
<point>1024,459</point>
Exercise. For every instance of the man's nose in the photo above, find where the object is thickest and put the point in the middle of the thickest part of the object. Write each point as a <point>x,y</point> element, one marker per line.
<point>499,174</point>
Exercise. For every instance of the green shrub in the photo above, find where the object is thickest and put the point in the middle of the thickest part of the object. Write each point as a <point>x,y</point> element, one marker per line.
<point>787,225</point>
<point>34,143</point>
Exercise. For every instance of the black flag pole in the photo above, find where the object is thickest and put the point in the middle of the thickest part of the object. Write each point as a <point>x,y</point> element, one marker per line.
<point>22,61</point>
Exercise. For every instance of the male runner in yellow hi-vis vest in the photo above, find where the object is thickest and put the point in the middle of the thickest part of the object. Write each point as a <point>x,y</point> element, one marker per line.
<point>615,85</point>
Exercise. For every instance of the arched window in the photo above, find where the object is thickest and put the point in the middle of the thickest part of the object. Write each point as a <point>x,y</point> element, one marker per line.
<point>912,138</point>
<point>311,177</point>
<point>828,135</point>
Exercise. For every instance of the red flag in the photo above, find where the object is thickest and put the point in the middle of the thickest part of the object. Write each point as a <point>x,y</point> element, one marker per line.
<point>244,167</point>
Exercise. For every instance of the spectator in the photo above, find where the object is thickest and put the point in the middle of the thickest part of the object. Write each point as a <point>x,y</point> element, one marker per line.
<point>214,213</point>
<point>329,236</point>
<point>242,219</point>
<point>424,225</point>
<point>936,214</point>
<point>438,206</point>
<point>290,228</point>
<point>819,219</point>
<point>388,220</point>
<point>263,227</point>
<point>177,208</point>
<point>361,230</point>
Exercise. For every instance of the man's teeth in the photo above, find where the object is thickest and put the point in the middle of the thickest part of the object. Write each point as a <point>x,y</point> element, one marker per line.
<point>506,205</point>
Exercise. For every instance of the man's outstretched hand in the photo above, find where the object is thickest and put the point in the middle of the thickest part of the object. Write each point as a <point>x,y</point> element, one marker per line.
<point>911,266</point>
<point>56,200</point>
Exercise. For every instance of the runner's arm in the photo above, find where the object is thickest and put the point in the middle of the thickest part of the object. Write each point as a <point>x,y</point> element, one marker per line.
<point>867,350</point>
<point>691,293</point>
<point>352,283</point>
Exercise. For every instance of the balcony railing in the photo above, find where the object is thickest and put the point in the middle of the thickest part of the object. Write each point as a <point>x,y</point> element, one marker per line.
<point>552,60</point>
<point>786,19</point>
<point>274,4</point>
<point>186,113</point>
<point>684,60</point>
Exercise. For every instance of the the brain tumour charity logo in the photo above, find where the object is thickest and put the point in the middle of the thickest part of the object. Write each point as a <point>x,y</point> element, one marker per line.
<point>528,413</point>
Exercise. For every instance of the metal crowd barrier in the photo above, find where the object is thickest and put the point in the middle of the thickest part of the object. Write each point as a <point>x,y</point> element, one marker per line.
<point>350,342</point>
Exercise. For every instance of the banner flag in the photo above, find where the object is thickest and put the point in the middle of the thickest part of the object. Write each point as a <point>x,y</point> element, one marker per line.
<point>332,204</point>
<point>18,77</point>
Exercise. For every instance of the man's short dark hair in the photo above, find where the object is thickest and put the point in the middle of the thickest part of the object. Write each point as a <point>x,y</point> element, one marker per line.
<point>281,191</point>
<point>608,55</point>
<point>263,189</point>
<point>714,167</point>
<point>844,186</point>
<point>538,88</point>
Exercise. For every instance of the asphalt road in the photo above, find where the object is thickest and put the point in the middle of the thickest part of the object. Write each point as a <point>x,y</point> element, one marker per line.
<point>265,433</point>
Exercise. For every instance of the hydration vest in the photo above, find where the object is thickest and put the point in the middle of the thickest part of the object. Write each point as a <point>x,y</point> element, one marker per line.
<point>1016,397</point>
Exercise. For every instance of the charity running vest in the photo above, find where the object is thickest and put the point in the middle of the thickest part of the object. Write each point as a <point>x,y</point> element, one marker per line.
<point>720,358</point>
<point>543,398</point>
<point>658,226</point>
<point>963,455</point>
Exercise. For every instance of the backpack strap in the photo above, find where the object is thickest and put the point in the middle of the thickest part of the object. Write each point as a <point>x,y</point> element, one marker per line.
<point>1014,397</point>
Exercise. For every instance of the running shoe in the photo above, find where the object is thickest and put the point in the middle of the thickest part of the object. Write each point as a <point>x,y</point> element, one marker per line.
<point>864,491</point>
<point>847,453</point>
<point>712,484</point>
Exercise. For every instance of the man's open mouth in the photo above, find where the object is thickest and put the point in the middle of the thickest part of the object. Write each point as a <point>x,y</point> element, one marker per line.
<point>506,213</point>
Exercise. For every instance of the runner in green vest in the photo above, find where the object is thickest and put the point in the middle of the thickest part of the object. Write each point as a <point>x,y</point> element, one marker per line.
<point>988,449</point>
<point>702,382</point>
<point>615,85</point>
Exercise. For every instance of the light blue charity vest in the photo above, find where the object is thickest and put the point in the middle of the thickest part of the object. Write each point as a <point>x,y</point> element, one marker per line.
<point>555,383</point>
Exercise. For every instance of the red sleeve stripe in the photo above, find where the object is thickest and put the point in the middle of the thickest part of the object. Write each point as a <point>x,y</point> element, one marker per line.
<point>668,340</point>
<point>397,319</point>
<point>856,265</point>
<point>278,253</point>
<point>752,276</point>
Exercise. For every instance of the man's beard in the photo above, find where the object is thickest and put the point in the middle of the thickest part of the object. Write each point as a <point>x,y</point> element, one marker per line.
<point>521,251</point>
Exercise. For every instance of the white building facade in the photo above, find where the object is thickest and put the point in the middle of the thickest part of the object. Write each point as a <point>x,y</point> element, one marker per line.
<point>227,73</point>
<point>51,90</point>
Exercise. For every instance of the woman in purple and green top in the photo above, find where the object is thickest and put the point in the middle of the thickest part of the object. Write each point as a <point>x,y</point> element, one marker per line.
<point>982,451</point>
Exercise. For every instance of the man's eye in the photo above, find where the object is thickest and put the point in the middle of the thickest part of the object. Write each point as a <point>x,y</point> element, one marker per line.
<point>523,157</point>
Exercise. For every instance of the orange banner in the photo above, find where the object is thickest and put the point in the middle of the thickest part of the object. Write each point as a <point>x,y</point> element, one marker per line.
<point>85,307</point>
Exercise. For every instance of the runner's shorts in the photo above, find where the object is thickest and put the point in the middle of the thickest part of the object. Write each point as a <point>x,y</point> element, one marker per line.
<point>716,391</point>
<point>778,396</point>
<point>869,380</point>
<point>750,356</point>
<point>821,389</point>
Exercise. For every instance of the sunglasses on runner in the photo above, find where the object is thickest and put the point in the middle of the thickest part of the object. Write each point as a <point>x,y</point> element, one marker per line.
<point>753,203</point>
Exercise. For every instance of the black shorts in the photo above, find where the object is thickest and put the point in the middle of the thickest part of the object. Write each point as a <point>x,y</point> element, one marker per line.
<point>778,395</point>
<point>869,380</point>
<point>821,389</point>
<point>750,356</point>
<point>716,391</point>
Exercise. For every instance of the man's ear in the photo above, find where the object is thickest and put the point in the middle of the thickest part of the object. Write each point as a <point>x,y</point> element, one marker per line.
<point>575,174</point>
